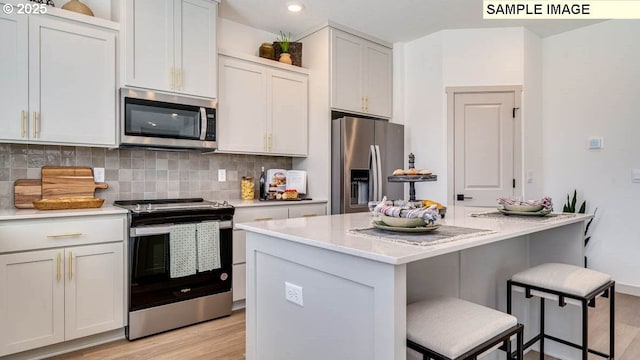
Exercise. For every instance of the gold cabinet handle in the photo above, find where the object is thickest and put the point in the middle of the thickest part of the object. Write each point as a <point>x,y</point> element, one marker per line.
<point>23,118</point>
<point>270,142</point>
<point>366,104</point>
<point>179,86</point>
<point>263,219</point>
<point>171,84</point>
<point>64,235</point>
<point>70,265</point>
<point>58,273</point>
<point>264,141</point>
<point>362,103</point>
<point>35,124</point>
<point>309,215</point>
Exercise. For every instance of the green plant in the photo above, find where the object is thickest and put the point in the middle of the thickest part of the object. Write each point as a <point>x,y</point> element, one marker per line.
<point>570,207</point>
<point>285,41</point>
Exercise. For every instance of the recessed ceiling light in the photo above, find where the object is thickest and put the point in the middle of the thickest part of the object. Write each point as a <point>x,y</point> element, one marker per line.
<point>295,7</point>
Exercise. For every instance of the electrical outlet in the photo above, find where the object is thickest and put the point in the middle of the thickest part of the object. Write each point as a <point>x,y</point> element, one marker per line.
<point>293,293</point>
<point>222,175</point>
<point>98,175</point>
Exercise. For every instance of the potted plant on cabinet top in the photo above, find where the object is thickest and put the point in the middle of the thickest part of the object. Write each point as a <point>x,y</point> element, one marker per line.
<point>293,49</point>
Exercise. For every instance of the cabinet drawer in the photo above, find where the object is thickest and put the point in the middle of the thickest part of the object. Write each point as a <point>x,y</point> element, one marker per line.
<point>239,246</point>
<point>307,210</point>
<point>20,235</point>
<point>239,282</point>
<point>260,214</point>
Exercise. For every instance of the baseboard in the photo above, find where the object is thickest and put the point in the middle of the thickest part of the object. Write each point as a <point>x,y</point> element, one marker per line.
<point>68,346</point>
<point>627,289</point>
<point>238,304</point>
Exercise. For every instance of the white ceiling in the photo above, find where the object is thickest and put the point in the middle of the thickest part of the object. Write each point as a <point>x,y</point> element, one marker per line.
<point>390,20</point>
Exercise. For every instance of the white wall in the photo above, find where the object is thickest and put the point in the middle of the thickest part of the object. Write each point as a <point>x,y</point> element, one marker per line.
<point>241,38</point>
<point>591,85</point>
<point>468,57</point>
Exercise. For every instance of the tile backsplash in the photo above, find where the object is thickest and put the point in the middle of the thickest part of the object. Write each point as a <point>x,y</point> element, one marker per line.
<point>138,173</point>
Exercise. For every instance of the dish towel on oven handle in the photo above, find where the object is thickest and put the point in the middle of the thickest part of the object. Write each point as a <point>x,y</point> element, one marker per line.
<point>182,250</point>
<point>208,238</point>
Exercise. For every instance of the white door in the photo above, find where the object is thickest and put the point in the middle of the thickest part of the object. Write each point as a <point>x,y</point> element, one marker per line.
<point>377,80</point>
<point>196,52</point>
<point>149,44</point>
<point>346,72</point>
<point>94,293</point>
<point>31,300</point>
<point>72,91</point>
<point>14,77</point>
<point>243,106</point>
<point>289,116</point>
<point>483,147</point>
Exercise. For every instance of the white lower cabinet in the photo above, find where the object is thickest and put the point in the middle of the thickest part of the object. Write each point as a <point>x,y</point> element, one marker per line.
<point>51,295</point>
<point>261,213</point>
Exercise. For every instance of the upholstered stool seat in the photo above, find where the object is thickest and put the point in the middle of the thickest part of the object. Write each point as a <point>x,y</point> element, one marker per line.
<point>566,284</point>
<point>450,328</point>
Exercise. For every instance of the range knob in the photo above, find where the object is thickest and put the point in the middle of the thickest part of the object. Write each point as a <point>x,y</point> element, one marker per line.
<point>149,208</point>
<point>137,207</point>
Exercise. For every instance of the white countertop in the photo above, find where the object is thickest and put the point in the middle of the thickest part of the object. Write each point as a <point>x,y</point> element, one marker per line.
<point>331,232</point>
<point>19,214</point>
<point>253,203</point>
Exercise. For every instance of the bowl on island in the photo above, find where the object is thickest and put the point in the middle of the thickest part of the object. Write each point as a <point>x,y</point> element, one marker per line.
<point>401,222</point>
<point>522,208</point>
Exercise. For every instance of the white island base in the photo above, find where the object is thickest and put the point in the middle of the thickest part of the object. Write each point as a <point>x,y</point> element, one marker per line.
<point>355,289</point>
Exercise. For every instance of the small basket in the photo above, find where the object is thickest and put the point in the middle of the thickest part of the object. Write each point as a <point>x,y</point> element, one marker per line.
<point>68,203</point>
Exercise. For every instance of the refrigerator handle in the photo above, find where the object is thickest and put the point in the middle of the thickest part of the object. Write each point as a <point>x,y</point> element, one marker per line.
<point>379,178</point>
<point>373,165</point>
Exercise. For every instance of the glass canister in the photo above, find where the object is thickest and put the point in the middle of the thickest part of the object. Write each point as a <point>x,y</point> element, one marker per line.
<point>247,188</point>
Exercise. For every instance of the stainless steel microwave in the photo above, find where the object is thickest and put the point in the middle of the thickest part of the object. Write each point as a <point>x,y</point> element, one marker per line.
<point>154,119</point>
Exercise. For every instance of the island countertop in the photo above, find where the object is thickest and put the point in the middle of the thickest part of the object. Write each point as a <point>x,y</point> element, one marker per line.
<point>332,233</point>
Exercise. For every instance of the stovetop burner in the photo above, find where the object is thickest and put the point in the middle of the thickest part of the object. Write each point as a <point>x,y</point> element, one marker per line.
<point>169,205</point>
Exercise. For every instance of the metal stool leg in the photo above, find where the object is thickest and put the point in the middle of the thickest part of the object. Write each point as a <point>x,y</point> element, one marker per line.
<point>612,318</point>
<point>541,328</point>
<point>585,330</point>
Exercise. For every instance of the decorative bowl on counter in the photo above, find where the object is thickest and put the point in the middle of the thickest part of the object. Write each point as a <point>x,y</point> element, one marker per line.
<point>522,208</point>
<point>401,222</point>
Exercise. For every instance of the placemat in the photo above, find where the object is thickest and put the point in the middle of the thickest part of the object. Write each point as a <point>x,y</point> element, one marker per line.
<point>443,234</point>
<point>525,218</point>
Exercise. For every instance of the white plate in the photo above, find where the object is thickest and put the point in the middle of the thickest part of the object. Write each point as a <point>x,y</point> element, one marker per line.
<point>543,212</point>
<point>522,208</point>
<point>419,229</point>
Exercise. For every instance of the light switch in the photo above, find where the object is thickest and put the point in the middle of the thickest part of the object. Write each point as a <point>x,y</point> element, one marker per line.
<point>529,176</point>
<point>635,176</point>
<point>98,175</point>
<point>595,143</point>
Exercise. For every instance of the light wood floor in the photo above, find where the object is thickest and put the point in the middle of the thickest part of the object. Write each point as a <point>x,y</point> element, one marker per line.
<point>223,339</point>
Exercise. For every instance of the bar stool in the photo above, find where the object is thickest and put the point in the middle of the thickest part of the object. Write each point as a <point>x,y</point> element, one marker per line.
<point>449,329</point>
<point>566,284</point>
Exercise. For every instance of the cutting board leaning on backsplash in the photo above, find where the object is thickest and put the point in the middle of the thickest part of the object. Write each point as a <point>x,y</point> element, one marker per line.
<point>56,182</point>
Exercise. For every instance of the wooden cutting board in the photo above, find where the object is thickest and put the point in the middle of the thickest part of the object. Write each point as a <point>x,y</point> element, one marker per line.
<point>68,181</point>
<point>25,191</point>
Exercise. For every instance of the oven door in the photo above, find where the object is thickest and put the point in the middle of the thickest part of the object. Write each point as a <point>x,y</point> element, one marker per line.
<point>149,269</point>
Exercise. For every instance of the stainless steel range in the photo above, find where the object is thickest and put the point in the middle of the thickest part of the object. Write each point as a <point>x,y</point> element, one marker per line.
<point>180,260</point>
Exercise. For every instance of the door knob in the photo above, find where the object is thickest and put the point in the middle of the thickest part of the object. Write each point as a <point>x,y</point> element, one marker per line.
<point>461,197</point>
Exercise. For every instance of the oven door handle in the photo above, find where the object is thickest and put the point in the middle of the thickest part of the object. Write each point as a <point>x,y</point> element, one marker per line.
<point>165,229</point>
<point>203,123</point>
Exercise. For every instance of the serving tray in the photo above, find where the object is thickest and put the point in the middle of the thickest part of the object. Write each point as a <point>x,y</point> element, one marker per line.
<point>68,203</point>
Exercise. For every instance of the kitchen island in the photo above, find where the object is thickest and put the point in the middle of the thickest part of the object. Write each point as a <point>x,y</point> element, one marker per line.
<point>355,284</point>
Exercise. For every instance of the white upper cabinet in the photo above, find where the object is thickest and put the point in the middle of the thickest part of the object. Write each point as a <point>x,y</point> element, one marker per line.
<point>171,46</point>
<point>262,109</point>
<point>57,81</point>
<point>361,75</point>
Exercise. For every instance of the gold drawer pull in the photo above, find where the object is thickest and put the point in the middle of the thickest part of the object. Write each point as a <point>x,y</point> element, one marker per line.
<point>70,265</point>
<point>309,215</point>
<point>63,235</point>
<point>23,119</point>
<point>58,274</point>
<point>263,219</point>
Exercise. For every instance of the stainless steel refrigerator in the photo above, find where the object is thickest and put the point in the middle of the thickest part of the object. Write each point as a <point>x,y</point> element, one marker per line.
<point>363,153</point>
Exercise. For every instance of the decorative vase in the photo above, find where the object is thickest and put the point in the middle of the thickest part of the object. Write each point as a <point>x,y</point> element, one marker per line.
<point>285,58</point>
<point>266,51</point>
<point>77,6</point>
